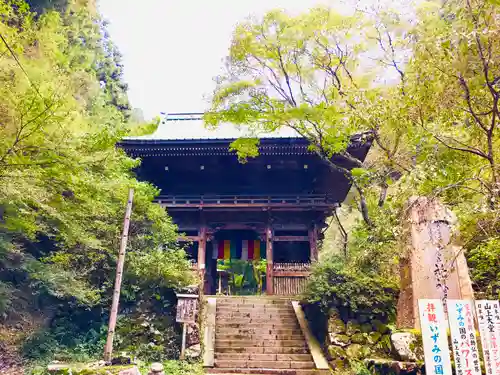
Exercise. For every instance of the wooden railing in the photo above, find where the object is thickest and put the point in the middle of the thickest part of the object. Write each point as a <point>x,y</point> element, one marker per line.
<point>220,200</point>
<point>290,278</point>
<point>292,267</point>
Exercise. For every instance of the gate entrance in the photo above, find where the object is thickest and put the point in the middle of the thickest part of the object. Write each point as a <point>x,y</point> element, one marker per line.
<point>236,263</point>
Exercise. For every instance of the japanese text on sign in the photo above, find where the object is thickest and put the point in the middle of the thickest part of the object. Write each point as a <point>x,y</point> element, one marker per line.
<point>488,317</point>
<point>187,307</point>
<point>463,337</point>
<point>435,340</point>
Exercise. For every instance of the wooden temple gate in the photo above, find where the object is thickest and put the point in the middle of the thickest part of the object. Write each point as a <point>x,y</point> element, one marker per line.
<point>282,198</point>
<point>282,278</point>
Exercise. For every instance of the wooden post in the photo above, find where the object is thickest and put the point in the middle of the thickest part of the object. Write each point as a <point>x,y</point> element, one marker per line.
<point>269,257</point>
<point>220,282</point>
<point>202,250</point>
<point>183,345</point>
<point>108,349</point>
<point>313,239</point>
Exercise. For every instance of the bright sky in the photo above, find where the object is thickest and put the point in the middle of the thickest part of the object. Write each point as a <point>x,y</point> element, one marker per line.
<point>173,48</point>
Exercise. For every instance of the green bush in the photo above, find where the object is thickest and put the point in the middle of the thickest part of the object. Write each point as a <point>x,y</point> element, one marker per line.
<point>183,368</point>
<point>67,339</point>
<point>148,337</point>
<point>484,263</point>
<point>333,284</point>
<point>5,298</point>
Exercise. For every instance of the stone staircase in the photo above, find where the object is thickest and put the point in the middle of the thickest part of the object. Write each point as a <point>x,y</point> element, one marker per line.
<point>260,335</point>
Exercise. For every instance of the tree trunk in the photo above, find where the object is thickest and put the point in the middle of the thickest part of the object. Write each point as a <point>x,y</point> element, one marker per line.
<point>363,206</point>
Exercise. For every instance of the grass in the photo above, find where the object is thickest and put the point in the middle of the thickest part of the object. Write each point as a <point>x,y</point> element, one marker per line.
<point>171,367</point>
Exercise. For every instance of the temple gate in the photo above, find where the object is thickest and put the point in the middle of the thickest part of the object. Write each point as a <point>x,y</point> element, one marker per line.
<point>272,207</point>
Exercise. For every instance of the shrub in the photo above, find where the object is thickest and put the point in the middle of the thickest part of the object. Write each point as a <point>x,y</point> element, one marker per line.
<point>485,268</point>
<point>5,298</point>
<point>333,284</point>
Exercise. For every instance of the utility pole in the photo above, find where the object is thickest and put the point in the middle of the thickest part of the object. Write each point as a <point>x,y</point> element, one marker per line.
<point>108,349</point>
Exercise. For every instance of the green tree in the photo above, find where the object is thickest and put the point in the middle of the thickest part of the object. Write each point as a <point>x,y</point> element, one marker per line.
<point>425,87</point>
<point>63,181</point>
<point>300,73</point>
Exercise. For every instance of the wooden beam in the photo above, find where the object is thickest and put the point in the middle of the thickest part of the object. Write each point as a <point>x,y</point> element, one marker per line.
<point>291,238</point>
<point>291,273</point>
<point>197,208</point>
<point>269,258</point>
<point>202,248</point>
<point>316,205</point>
<point>188,238</point>
<point>313,239</point>
<point>283,227</point>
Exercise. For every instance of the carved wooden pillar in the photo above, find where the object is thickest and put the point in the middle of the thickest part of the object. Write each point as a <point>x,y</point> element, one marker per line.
<point>269,257</point>
<point>202,251</point>
<point>313,240</point>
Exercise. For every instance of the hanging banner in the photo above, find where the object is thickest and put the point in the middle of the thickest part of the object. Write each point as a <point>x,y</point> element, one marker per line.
<point>237,249</point>
<point>463,337</point>
<point>488,317</point>
<point>434,337</point>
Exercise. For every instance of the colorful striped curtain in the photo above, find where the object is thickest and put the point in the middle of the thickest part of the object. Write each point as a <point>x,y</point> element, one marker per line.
<point>237,249</point>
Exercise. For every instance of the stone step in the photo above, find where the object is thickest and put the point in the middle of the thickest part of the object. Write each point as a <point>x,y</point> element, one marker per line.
<point>261,350</point>
<point>254,299</point>
<point>253,306</point>
<point>264,364</point>
<point>266,371</point>
<point>271,325</point>
<point>264,357</point>
<point>240,310</point>
<point>221,330</point>
<point>278,306</point>
<point>249,308</point>
<point>276,320</point>
<point>248,342</point>
<point>235,336</point>
<point>255,314</point>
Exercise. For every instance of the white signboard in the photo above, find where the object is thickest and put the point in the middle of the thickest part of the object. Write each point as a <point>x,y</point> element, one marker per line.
<point>463,337</point>
<point>488,317</point>
<point>434,337</point>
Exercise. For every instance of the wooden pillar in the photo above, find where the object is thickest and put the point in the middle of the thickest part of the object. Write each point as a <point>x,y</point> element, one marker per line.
<point>313,240</point>
<point>269,257</point>
<point>202,251</point>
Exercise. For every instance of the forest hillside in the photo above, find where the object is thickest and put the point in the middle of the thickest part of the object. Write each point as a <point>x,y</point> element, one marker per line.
<point>63,191</point>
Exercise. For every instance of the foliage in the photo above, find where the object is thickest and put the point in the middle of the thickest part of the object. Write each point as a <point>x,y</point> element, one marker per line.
<point>170,367</point>
<point>358,368</point>
<point>182,368</point>
<point>152,339</point>
<point>484,260</point>
<point>85,342</point>
<point>335,285</point>
<point>64,183</point>
<point>244,276</point>
<point>259,269</point>
<point>5,298</point>
<point>423,82</point>
<point>294,72</point>
<point>145,329</point>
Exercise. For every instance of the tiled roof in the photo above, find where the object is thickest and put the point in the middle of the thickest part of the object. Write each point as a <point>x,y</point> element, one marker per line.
<point>190,126</point>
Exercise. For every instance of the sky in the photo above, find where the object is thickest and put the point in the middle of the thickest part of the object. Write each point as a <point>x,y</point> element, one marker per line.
<point>172,49</point>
